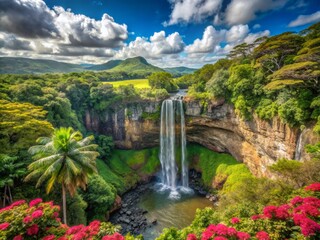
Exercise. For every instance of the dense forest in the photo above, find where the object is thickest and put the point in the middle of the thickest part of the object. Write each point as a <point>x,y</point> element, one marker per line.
<point>42,118</point>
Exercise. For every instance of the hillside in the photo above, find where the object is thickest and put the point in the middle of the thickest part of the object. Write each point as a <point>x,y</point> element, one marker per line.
<point>179,71</point>
<point>34,66</point>
<point>105,66</point>
<point>136,65</point>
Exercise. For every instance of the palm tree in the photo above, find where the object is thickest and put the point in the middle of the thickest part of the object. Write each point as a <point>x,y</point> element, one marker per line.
<point>65,158</point>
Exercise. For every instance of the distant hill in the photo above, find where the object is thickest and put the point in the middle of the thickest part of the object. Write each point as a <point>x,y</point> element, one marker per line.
<point>180,70</point>
<point>105,66</point>
<point>28,66</point>
<point>136,65</point>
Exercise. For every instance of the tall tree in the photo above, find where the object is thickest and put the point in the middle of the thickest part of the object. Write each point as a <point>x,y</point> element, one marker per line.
<point>10,170</point>
<point>65,158</point>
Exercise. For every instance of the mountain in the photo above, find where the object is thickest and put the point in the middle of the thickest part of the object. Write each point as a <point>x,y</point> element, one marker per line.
<point>136,65</point>
<point>105,66</point>
<point>27,65</point>
<point>180,70</point>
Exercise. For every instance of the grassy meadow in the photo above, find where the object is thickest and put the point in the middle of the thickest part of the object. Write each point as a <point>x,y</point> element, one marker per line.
<point>138,83</point>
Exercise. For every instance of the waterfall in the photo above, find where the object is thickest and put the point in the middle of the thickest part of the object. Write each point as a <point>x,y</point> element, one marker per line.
<point>297,155</point>
<point>169,109</point>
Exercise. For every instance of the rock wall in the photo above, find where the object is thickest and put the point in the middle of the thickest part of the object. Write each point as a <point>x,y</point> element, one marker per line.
<point>132,125</point>
<point>216,126</point>
<point>257,143</point>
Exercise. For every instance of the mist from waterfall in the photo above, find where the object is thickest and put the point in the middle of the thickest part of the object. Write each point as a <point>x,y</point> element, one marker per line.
<point>168,145</point>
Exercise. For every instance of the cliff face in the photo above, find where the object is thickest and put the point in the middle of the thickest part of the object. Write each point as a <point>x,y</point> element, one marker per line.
<point>133,125</point>
<point>257,143</point>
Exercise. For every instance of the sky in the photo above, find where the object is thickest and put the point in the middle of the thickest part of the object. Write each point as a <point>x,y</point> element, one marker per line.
<point>168,33</point>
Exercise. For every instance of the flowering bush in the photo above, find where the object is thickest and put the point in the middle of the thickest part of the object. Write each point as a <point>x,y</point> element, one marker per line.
<point>40,220</point>
<point>299,219</point>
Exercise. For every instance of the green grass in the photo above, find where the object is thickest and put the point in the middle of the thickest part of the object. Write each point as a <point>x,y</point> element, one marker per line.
<point>211,163</point>
<point>127,167</point>
<point>137,83</point>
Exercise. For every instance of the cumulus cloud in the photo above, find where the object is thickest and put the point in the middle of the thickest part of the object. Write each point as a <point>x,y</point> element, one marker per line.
<point>210,39</point>
<point>184,11</point>
<point>241,12</point>
<point>155,48</point>
<point>10,41</point>
<point>80,30</point>
<point>27,18</point>
<point>305,19</point>
<point>218,43</point>
<point>32,19</point>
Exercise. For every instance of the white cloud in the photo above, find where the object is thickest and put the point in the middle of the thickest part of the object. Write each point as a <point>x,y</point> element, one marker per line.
<point>184,11</point>
<point>155,48</point>
<point>210,39</point>
<point>80,30</point>
<point>305,19</point>
<point>241,12</point>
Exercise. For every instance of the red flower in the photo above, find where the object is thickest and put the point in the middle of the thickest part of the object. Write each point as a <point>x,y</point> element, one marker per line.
<point>191,236</point>
<point>243,235</point>
<point>221,229</point>
<point>235,220</point>
<point>50,237</point>
<point>37,214</point>
<point>115,236</point>
<point>313,187</point>
<point>277,212</point>
<point>27,219</point>
<point>220,238</point>
<point>296,200</point>
<point>4,226</point>
<point>35,202</point>
<point>262,235</point>
<point>56,214</point>
<point>18,203</point>
<point>5,209</point>
<point>75,229</point>
<point>33,230</point>
<point>18,237</point>
<point>206,235</point>
<point>255,217</point>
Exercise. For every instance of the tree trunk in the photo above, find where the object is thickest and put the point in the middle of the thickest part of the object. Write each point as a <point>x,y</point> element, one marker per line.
<point>64,204</point>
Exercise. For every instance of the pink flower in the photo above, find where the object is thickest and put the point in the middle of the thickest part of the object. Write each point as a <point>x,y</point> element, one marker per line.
<point>5,209</point>
<point>75,229</point>
<point>18,203</point>
<point>4,226</point>
<point>235,220</point>
<point>313,187</point>
<point>50,237</point>
<point>37,214</point>
<point>206,235</point>
<point>191,236</point>
<point>27,219</point>
<point>221,229</point>
<point>56,214</point>
<point>296,200</point>
<point>18,237</point>
<point>255,217</point>
<point>262,235</point>
<point>220,238</point>
<point>115,236</point>
<point>243,235</point>
<point>33,230</point>
<point>35,202</point>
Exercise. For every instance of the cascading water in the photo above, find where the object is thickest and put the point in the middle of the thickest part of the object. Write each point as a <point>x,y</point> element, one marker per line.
<point>169,167</point>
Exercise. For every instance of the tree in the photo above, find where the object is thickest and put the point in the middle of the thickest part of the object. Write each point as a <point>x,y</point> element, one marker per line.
<point>20,125</point>
<point>277,51</point>
<point>10,170</point>
<point>163,80</point>
<point>217,84</point>
<point>65,158</point>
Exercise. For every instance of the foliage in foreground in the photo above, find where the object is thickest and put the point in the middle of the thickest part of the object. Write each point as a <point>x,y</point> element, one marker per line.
<point>297,219</point>
<point>40,220</point>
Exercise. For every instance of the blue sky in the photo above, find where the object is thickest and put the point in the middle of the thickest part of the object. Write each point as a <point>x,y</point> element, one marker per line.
<point>167,33</point>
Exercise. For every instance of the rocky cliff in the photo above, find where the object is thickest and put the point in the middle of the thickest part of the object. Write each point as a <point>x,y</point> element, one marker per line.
<point>133,125</point>
<point>257,143</point>
<point>216,126</point>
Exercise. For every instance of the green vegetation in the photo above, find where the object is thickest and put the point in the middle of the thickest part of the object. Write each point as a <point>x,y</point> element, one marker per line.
<point>137,83</point>
<point>162,81</point>
<point>276,76</point>
<point>65,158</point>
<point>211,163</point>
